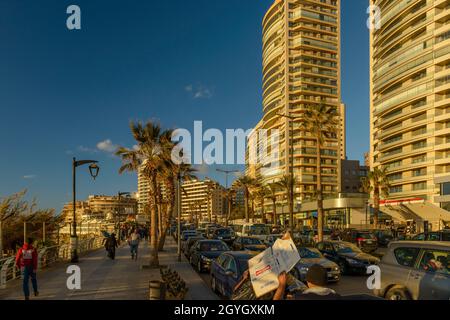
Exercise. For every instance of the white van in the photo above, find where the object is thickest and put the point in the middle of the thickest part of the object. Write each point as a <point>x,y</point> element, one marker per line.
<point>257,230</point>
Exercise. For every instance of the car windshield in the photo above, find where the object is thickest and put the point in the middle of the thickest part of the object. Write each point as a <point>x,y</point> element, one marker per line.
<point>385,233</point>
<point>194,239</point>
<point>346,248</point>
<point>223,232</point>
<point>365,235</point>
<point>251,241</point>
<point>259,230</point>
<point>213,246</point>
<point>243,264</point>
<point>309,253</point>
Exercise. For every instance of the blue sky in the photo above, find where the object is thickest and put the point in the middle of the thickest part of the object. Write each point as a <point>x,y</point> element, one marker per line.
<point>63,92</point>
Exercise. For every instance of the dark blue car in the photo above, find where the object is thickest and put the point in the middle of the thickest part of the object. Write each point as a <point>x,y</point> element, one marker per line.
<point>227,270</point>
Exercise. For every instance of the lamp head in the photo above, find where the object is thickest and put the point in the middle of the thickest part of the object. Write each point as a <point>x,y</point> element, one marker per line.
<point>94,169</point>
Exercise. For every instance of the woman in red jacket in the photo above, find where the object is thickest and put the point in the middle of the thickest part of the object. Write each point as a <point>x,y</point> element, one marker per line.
<point>27,261</point>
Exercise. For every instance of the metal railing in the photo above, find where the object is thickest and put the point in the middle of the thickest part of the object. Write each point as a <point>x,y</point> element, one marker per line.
<point>46,257</point>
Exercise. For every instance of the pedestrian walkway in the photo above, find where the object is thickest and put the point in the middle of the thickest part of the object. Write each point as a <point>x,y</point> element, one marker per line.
<point>198,290</point>
<point>106,279</point>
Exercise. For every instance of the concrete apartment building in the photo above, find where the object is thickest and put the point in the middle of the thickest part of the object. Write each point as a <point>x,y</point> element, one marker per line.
<point>101,207</point>
<point>202,199</point>
<point>301,68</point>
<point>410,105</point>
<point>351,174</point>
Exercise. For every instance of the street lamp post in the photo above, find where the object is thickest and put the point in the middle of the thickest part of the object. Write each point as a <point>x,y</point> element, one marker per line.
<point>179,215</point>
<point>93,169</point>
<point>120,194</point>
<point>227,172</point>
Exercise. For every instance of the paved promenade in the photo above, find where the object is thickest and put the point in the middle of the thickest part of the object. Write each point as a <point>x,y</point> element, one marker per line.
<point>106,279</point>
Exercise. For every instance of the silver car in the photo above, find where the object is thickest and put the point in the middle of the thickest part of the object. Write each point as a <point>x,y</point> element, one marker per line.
<point>415,270</point>
<point>310,257</point>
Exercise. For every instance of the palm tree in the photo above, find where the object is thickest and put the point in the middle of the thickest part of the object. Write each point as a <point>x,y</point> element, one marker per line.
<point>272,195</point>
<point>378,183</point>
<point>228,193</point>
<point>246,183</point>
<point>169,175</point>
<point>261,193</point>
<point>287,182</point>
<point>148,157</point>
<point>322,123</point>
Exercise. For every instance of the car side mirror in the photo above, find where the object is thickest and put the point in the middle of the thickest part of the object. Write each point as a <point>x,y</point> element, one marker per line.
<point>229,273</point>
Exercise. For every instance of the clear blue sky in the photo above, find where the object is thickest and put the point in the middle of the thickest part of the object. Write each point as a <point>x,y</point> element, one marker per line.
<point>62,92</point>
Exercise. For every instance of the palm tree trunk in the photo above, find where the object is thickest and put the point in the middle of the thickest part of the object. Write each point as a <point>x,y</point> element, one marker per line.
<point>263,214</point>
<point>246,205</point>
<point>159,206</point>
<point>1,238</point>
<point>253,210</point>
<point>274,213</point>
<point>291,203</point>
<point>320,213</point>
<point>154,260</point>
<point>228,216</point>
<point>376,205</point>
<point>166,226</point>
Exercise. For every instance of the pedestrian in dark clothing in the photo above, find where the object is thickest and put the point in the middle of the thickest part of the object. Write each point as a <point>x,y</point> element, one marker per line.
<point>27,262</point>
<point>111,245</point>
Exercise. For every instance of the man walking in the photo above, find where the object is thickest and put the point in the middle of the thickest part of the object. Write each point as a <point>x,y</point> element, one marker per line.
<point>27,261</point>
<point>133,241</point>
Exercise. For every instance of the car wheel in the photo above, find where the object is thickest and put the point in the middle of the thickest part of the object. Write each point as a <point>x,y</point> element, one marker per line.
<point>213,284</point>
<point>343,267</point>
<point>397,293</point>
<point>199,266</point>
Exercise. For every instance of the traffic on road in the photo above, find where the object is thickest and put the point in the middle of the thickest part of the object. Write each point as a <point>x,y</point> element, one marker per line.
<point>410,269</point>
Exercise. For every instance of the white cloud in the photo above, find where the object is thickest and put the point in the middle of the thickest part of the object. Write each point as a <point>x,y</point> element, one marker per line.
<point>199,91</point>
<point>29,176</point>
<point>107,146</point>
<point>86,149</point>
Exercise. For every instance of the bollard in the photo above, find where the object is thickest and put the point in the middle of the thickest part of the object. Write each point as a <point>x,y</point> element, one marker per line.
<point>157,290</point>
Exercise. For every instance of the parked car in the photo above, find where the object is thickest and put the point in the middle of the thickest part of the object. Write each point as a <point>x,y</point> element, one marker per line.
<point>205,251</point>
<point>202,232</point>
<point>365,240</point>
<point>383,237</point>
<point>347,256</point>
<point>258,230</point>
<point>248,244</point>
<point>415,270</point>
<point>270,239</point>
<point>227,235</point>
<point>310,257</point>
<point>307,236</point>
<point>189,243</point>
<point>187,234</point>
<point>443,235</point>
<point>227,270</point>
<point>210,231</point>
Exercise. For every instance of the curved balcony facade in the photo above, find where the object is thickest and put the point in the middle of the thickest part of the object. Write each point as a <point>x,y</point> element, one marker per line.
<point>301,68</point>
<point>410,95</point>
